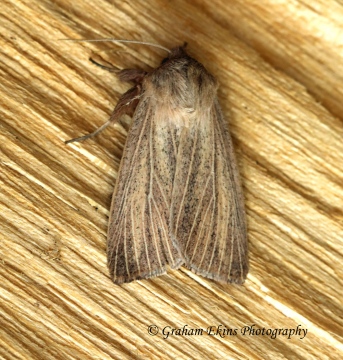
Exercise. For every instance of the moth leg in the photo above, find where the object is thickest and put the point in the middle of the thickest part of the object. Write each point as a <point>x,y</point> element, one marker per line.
<point>132,75</point>
<point>126,105</point>
<point>125,75</point>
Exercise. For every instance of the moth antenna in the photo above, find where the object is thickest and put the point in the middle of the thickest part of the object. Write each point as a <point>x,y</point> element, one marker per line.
<point>120,41</point>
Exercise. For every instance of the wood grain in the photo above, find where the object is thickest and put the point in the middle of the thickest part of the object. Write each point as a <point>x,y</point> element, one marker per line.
<point>280,87</point>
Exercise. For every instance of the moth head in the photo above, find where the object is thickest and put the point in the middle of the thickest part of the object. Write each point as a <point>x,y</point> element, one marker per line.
<point>175,53</point>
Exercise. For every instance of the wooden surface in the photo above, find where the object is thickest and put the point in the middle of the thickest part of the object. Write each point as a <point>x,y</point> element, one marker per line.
<point>280,69</point>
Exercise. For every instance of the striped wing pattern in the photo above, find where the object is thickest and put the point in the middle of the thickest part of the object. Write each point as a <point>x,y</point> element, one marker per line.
<point>139,245</point>
<point>189,211</point>
<point>207,212</point>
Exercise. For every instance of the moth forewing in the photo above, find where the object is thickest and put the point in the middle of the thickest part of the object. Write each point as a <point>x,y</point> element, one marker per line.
<point>207,212</point>
<point>139,245</point>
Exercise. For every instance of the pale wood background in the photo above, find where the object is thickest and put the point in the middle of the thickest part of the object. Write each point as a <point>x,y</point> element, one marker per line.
<point>280,68</point>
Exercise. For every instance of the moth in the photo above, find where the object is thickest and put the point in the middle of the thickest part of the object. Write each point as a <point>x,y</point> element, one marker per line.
<point>178,199</point>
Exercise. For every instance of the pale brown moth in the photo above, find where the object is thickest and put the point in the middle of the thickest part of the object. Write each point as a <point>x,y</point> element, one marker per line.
<point>178,199</point>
